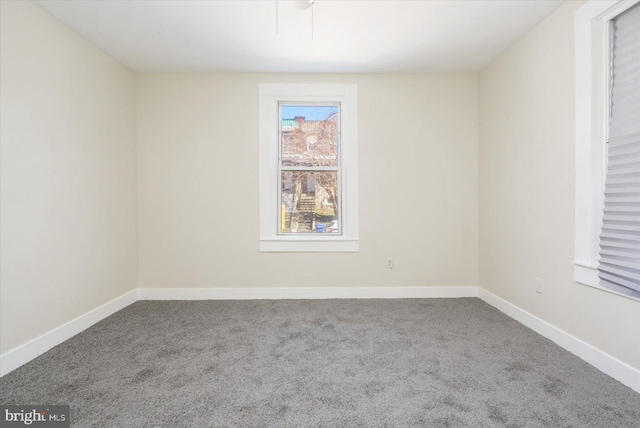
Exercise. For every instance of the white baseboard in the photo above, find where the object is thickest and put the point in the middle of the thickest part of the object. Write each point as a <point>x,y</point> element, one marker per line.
<point>305,293</point>
<point>21,355</point>
<point>599,359</point>
<point>604,362</point>
<point>16,357</point>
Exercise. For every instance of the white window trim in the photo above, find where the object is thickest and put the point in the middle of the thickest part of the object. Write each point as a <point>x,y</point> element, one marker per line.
<point>270,95</point>
<point>592,112</point>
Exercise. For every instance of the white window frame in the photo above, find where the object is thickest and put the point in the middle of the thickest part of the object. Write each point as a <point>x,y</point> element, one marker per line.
<point>592,56</point>
<point>270,97</point>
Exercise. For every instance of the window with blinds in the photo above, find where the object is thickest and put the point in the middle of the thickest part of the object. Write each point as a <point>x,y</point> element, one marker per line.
<point>619,266</point>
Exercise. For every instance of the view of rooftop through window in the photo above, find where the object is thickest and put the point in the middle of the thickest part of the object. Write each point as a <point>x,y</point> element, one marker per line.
<point>309,165</point>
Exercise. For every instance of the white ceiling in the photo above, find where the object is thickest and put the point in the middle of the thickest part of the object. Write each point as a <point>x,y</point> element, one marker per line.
<point>348,35</point>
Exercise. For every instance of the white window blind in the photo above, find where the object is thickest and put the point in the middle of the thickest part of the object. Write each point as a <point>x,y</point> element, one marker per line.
<point>619,267</point>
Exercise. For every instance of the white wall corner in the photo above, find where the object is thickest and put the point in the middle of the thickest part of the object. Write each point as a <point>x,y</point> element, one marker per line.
<point>604,362</point>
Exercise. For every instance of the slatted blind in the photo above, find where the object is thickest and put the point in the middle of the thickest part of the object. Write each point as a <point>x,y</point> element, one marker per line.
<point>619,267</point>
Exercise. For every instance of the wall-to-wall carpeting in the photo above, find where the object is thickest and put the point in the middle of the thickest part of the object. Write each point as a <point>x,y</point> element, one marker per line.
<point>333,363</point>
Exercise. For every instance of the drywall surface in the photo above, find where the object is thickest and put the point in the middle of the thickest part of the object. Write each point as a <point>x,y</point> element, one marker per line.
<point>197,138</point>
<point>68,160</point>
<point>527,185</point>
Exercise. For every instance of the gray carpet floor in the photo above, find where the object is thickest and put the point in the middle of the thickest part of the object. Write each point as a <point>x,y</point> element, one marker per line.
<point>319,363</point>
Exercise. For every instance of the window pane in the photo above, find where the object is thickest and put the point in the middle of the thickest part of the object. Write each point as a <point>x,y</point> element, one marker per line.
<point>309,202</point>
<point>309,135</point>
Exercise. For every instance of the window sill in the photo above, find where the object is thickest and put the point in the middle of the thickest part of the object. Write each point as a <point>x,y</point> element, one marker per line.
<point>588,275</point>
<point>306,245</point>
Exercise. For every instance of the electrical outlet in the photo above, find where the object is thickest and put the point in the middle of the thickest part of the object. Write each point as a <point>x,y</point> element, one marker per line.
<point>539,285</point>
<point>390,263</point>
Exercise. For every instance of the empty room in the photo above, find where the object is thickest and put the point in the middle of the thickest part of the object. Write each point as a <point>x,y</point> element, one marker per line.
<point>319,213</point>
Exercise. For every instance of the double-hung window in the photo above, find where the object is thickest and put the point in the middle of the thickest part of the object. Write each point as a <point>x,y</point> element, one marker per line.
<point>619,264</point>
<point>607,43</point>
<point>308,168</point>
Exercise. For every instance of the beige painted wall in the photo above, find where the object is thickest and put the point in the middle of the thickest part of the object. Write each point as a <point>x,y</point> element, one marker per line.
<point>197,140</point>
<point>69,216</point>
<point>68,161</point>
<point>527,185</point>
